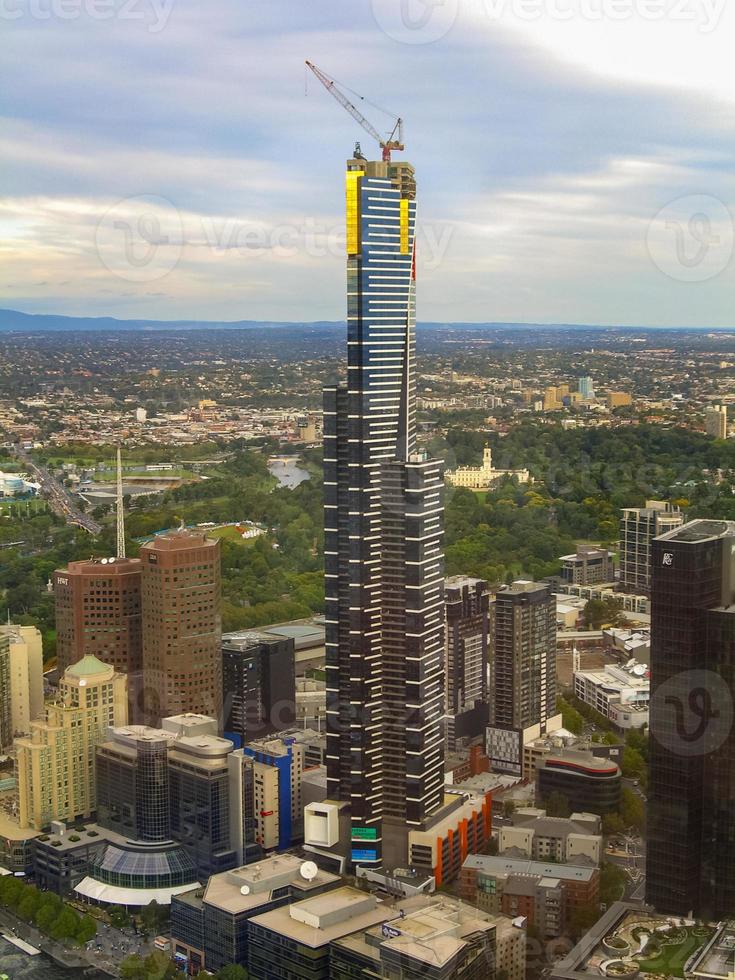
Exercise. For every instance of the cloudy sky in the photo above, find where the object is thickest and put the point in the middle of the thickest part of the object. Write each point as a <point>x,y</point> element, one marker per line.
<point>164,158</point>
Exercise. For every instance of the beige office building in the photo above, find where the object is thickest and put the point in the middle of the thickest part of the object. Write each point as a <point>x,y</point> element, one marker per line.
<point>56,762</point>
<point>21,680</point>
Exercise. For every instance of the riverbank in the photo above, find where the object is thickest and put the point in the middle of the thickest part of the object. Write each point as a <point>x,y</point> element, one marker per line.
<point>78,960</point>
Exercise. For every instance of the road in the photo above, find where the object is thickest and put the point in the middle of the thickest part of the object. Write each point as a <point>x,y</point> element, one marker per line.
<point>60,501</point>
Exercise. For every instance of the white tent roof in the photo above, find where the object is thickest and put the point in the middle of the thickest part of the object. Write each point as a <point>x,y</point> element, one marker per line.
<point>100,892</point>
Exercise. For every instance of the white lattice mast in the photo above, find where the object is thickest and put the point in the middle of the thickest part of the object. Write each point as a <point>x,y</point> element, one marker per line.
<point>120,510</point>
<point>576,660</point>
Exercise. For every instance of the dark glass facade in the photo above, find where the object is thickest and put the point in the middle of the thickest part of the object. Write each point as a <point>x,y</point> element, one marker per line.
<point>259,685</point>
<point>590,786</point>
<point>383,534</point>
<point>690,863</point>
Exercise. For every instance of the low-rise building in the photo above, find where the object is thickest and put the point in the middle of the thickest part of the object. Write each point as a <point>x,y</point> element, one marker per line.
<point>209,926</point>
<point>590,784</point>
<point>620,693</point>
<point>433,937</point>
<point>588,566</point>
<point>534,835</point>
<point>547,893</point>
<point>482,477</point>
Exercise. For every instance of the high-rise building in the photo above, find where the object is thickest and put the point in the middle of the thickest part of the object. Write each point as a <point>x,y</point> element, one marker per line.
<point>56,771</point>
<point>638,527</point>
<point>157,785</point>
<point>466,659</point>
<point>98,614</point>
<point>690,862</point>
<point>383,518</point>
<point>523,696</point>
<point>524,670</point>
<point>715,421</point>
<point>182,658</point>
<point>586,387</point>
<point>259,684</point>
<point>21,680</point>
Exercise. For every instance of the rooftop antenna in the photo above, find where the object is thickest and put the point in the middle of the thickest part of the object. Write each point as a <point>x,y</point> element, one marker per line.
<point>120,510</point>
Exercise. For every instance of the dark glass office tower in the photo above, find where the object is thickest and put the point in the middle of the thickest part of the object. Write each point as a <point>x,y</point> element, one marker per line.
<point>383,538</point>
<point>691,804</point>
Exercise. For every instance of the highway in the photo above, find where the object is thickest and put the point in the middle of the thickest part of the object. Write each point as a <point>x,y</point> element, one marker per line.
<point>60,501</point>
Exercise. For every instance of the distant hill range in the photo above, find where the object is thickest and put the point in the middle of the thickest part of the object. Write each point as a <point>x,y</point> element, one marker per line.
<point>13,320</point>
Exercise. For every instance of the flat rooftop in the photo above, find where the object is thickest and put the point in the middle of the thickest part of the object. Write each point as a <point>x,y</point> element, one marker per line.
<point>345,909</point>
<point>504,865</point>
<point>699,530</point>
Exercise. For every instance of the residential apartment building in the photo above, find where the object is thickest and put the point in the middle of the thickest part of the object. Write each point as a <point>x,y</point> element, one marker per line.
<point>56,762</point>
<point>620,693</point>
<point>467,632</point>
<point>715,421</point>
<point>21,681</point>
<point>638,527</point>
<point>588,566</point>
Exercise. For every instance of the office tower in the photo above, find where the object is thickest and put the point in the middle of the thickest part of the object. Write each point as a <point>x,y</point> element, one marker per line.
<point>98,614</point>
<point>638,527</point>
<point>56,773</point>
<point>383,517</point>
<point>690,863</point>
<point>21,680</point>
<point>586,387</point>
<point>258,684</point>
<point>715,421</point>
<point>181,591</point>
<point>525,656</point>
<point>171,784</point>
<point>466,658</point>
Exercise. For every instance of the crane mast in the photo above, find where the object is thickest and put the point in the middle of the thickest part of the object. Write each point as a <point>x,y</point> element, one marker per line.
<point>394,141</point>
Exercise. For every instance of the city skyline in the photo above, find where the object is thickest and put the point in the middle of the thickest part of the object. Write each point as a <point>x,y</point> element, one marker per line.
<point>572,163</point>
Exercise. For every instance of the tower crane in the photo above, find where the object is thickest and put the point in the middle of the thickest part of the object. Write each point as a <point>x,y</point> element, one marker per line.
<point>394,141</point>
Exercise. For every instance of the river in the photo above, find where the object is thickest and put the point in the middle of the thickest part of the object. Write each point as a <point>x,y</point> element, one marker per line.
<point>20,966</point>
<point>287,471</point>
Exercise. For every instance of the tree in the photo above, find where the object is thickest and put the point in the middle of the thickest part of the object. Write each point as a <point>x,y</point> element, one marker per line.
<point>29,904</point>
<point>582,919</point>
<point>47,914</point>
<point>233,971</point>
<point>612,883</point>
<point>119,917</point>
<point>612,823</point>
<point>632,811</point>
<point>87,930</point>
<point>66,924</point>
<point>153,916</point>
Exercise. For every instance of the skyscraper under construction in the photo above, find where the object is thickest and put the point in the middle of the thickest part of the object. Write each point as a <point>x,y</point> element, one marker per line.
<point>383,538</point>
